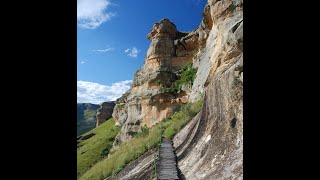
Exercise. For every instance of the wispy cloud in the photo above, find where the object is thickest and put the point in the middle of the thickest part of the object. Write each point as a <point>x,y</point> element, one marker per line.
<point>90,92</point>
<point>92,13</point>
<point>83,61</point>
<point>132,52</point>
<point>104,50</point>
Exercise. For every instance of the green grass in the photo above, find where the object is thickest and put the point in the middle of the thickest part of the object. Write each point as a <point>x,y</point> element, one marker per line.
<point>96,147</point>
<point>176,122</point>
<point>141,143</point>
<point>126,153</point>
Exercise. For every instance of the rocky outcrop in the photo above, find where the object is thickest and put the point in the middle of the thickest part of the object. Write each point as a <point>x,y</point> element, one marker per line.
<point>104,112</point>
<point>145,104</point>
<point>224,41</point>
<point>210,146</point>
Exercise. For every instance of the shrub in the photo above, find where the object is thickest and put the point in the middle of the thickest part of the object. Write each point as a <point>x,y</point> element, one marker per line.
<point>110,139</point>
<point>120,105</point>
<point>105,150</point>
<point>144,132</point>
<point>186,76</point>
<point>132,133</point>
<point>170,132</point>
<point>205,22</point>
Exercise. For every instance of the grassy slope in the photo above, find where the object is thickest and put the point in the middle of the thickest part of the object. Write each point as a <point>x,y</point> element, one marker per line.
<point>94,145</point>
<point>142,143</point>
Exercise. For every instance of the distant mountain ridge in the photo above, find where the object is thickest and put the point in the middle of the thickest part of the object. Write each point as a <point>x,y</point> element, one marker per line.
<point>86,117</point>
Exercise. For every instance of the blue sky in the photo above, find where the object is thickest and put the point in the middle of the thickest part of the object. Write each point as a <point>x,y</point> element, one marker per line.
<point>112,43</point>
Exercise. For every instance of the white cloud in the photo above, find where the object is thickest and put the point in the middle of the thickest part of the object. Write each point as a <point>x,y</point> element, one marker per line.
<point>132,52</point>
<point>92,13</point>
<point>103,50</point>
<point>90,92</point>
<point>83,61</point>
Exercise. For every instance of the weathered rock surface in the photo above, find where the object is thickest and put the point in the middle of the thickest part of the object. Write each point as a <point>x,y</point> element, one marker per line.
<point>104,112</point>
<point>140,169</point>
<point>143,104</point>
<point>210,146</point>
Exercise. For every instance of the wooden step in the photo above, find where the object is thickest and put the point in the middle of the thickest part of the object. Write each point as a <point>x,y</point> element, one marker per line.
<point>167,165</point>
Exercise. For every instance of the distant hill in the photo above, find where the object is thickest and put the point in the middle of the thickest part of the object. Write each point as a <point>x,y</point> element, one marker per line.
<point>86,117</point>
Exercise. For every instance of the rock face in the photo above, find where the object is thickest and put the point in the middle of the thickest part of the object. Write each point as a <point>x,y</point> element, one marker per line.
<point>140,169</point>
<point>104,112</point>
<point>86,117</point>
<point>144,104</point>
<point>210,146</point>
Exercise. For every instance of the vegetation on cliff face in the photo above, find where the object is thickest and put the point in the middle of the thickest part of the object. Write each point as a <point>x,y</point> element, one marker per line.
<point>120,105</point>
<point>86,117</point>
<point>186,76</point>
<point>97,147</point>
<point>142,142</point>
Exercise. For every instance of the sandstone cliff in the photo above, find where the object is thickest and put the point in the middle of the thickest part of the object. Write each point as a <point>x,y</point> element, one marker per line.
<point>104,112</point>
<point>211,145</point>
<point>155,93</point>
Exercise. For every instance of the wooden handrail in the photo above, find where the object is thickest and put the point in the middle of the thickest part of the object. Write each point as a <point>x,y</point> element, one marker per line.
<point>158,154</point>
